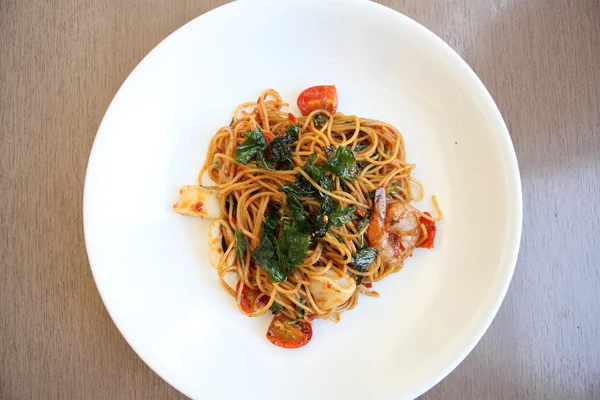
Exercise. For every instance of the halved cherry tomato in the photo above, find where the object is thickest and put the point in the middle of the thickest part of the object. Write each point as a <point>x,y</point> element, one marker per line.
<point>248,297</point>
<point>289,336</point>
<point>431,230</point>
<point>318,98</point>
<point>292,118</point>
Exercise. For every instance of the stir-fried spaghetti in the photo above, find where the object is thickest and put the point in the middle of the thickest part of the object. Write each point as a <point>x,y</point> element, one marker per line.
<point>307,211</point>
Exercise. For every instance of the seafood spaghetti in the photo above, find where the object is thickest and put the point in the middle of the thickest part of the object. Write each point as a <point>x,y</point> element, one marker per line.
<point>308,212</point>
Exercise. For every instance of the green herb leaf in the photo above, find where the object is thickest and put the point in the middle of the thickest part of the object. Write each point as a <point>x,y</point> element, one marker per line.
<point>294,204</point>
<point>361,165</point>
<point>321,221</point>
<point>303,188</point>
<point>331,215</point>
<point>271,220</point>
<point>252,147</point>
<point>313,171</point>
<point>363,221</point>
<point>281,150</point>
<point>342,163</point>
<point>340,215</point>
<point>293,131</point>
<point>241,245</point>
<point>264,163</point>
<point>266,254</point>
<point>362,258</point>
<point>231,123</point>
<point>360,147</point>
<point>320,119</point>
<point>293,246</point>
<point>317,174</point>
<point>279,258</point>
<point>276,307</point>
<point>216,165</point>
<point>393,189</point>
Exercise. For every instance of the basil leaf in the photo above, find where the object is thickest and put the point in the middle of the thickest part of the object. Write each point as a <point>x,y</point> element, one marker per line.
<point>271,220</point>
<point>276,307</point>
<point>264,163</point>
<point>300,187</point>
<point>362,258</point>
<point>303,188</point>
<point>320,119</point>
<point>313,171</point>
<point>361,165</point>
<point>331,215</point>
<point>293,203</point>
<point>293,131</point>
<point>340,215</point>
<point>360,147</point>
<point>281,151</point>
<point>241,244</point>
<point>318,175</point>
<point>252,147</point>
<point>321,221</point>
<point>342,163</point>
<point>293,246</point>
<point>393,189</point>
<point>266,256</point>
<point>363,221</point>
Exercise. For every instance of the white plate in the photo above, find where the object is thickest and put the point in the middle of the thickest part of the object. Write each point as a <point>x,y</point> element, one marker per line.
<point>151,265</point>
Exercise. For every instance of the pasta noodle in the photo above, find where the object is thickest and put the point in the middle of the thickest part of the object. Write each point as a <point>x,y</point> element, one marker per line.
<point>378,185</point>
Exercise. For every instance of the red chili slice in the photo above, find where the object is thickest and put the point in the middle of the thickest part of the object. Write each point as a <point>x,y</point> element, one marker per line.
<point>431,230</point>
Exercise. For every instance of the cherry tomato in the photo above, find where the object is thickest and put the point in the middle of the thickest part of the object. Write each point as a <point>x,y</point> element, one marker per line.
<point>431,230</point>
<point>318,98</point>
<point>289,336</point>
<point>248,297</point>
<point>292,118</point>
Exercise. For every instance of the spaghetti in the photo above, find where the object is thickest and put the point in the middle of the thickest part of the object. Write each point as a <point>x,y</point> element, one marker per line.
<point>307,211</point>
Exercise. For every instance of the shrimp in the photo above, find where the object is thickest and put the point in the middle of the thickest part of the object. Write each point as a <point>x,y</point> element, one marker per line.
<point>394,230</point>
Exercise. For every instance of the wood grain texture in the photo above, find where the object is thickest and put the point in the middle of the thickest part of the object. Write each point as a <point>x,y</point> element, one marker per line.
<point>61,63</point>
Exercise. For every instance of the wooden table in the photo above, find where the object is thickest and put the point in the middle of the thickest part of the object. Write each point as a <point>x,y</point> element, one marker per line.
<point>61,63</point>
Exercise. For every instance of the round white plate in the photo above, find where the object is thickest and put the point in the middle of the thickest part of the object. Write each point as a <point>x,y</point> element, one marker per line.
<point>151,265</point>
